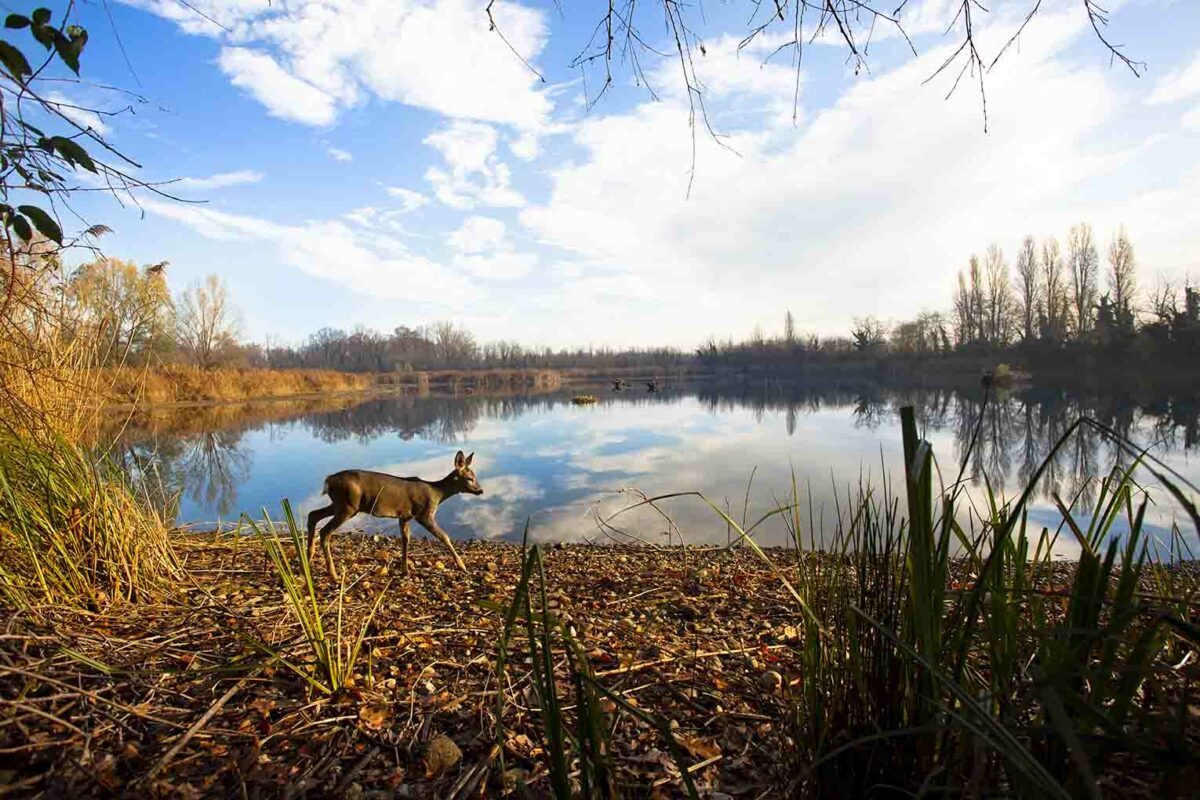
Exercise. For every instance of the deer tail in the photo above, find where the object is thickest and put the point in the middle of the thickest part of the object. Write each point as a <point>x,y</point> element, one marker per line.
<point>325,486</point>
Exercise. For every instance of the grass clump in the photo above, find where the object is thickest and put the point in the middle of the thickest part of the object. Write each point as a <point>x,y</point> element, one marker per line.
<point>74,530</point>
<point>72,527</point>
<point>578,753</point>
<point>968,661</point>
<point>333,655</point>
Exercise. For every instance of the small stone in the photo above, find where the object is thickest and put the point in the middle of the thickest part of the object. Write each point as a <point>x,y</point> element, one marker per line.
<point>770,680</point>
<point>513,777</point>
<point>441,755</point>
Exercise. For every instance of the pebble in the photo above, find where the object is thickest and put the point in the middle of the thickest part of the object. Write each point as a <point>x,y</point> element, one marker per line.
<point>770,680</point>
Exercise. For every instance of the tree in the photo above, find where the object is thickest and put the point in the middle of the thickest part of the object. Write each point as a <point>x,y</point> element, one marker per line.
<point>1122,282</point>
<point>1056,316</point>
<point>124,311</point>
<point>455,346</point>
<point>1028,294</point>
<point>869,334</point>
<point>207,324</point>
<point>789,328</point>
<point>998,300</point>
<point>50,150</point>
<point>792,25</point>
<point>970,304</point>
<point>1084,264</point>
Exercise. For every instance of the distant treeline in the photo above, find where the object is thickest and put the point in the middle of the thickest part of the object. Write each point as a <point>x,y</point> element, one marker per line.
<point>1048,309</point>
<point>445,345</point>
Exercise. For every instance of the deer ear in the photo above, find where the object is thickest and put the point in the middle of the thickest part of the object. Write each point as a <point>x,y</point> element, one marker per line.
<point>470,458</point>
<point>458,459</point>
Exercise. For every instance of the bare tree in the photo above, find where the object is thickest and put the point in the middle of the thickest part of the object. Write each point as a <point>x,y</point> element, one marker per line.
<point>1164,301</point>
<point>206,323</point>
<point>1056,304</point>
<point>617,40</point>
<point>455,345</point>
<point>971,304</point>
<point>789,328</point>
<point>998,299</point>
<point>1122,281</point>
<point>1028,292</point>
<point>1084,264</point>
<point>869,334</point>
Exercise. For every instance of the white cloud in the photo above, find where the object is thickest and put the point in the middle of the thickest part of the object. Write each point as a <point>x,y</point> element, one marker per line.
<point>338,154</point>
<point>476,177</point>
<point>389,219</point>
<point>1191,120</point>
<point>501,508</point>
<point>219,180</point>
<point>483,249</point>
<point>409,200</point>
<point>1179,85</point>
<point>890,180</point>
<point>82,117</point>
<point>375,264</point>
<point>479,234</point>
<point>438,55</point>
<point>284,95</point>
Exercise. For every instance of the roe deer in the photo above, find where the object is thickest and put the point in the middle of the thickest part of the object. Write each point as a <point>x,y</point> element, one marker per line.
<point>383,495</point>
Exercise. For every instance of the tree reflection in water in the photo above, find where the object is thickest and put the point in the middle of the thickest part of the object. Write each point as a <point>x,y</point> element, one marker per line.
<point>1016,434</point>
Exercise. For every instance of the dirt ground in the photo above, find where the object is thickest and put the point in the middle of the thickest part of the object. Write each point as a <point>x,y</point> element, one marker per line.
<point>176,699</point>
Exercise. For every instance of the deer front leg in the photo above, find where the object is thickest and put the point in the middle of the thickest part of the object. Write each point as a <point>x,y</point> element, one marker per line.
<point>430,524</point>
<point>313,518</point>
<point>405,536</point>
<point>326,533</point>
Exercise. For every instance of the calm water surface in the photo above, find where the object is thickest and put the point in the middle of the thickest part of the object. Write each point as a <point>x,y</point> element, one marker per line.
<point>562,466</point>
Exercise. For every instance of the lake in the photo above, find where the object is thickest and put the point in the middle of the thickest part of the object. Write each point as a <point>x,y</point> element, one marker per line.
<point>565,467</point>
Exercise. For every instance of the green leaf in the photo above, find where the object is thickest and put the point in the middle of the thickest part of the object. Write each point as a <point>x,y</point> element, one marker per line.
<point>69,49</point>
<point>43,222</point>
<point>16,21</point>
<point>73,153</point>
<point>41,16</point>
<point>21,226</point>
<point>44,34</point>
<point>14,62</point>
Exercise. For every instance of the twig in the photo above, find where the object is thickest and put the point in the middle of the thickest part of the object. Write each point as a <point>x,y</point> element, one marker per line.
<point>197,726</point>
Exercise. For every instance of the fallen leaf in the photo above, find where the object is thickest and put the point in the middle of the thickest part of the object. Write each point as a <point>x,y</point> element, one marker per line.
<point>375,715</point>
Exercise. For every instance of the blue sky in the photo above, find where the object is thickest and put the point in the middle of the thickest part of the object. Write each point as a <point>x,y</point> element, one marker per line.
<point>391,162</point>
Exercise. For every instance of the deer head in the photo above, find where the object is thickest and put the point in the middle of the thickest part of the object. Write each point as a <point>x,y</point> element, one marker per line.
<point>463,477</point>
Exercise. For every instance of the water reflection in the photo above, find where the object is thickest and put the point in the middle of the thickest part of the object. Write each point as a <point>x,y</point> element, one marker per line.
<point>543,457</point>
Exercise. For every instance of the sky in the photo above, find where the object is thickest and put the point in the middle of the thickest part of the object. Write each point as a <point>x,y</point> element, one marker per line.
<point>381,163</point>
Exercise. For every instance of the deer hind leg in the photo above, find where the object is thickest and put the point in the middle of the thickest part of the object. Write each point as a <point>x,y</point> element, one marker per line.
<point>327,532</point>
<point>430,524</point>
<point>313,518</point>
<point>405,536</point>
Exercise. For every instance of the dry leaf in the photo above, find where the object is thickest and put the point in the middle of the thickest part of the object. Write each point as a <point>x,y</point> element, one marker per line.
<point>375,715</point>
<point>698,747</point>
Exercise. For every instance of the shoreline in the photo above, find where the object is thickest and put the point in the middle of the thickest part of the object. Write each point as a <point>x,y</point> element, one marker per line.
<point>898,374</point>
